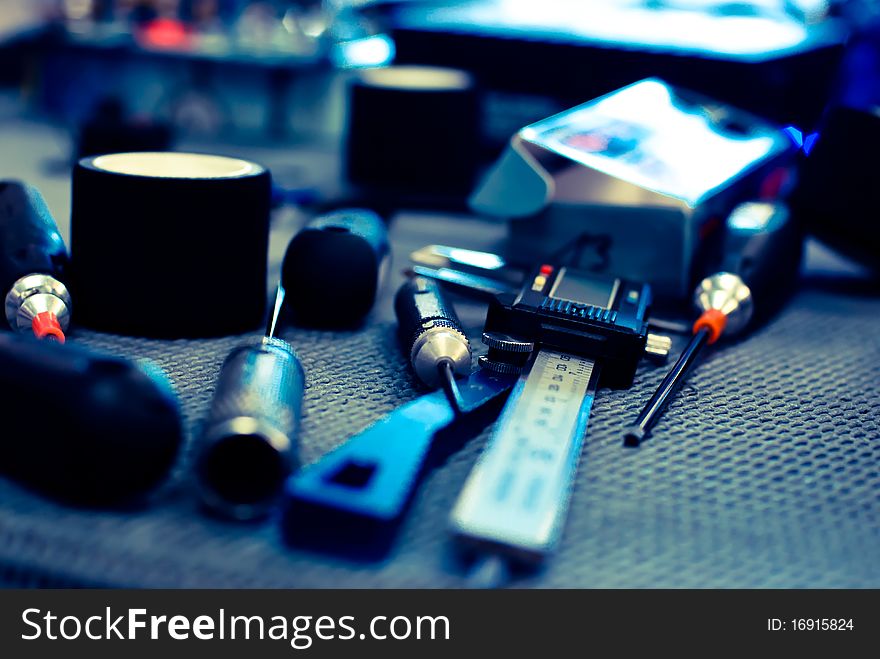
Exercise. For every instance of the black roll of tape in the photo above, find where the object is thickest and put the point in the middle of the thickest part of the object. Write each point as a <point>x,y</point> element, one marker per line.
<point>413,128</point>
<point>170,245</point>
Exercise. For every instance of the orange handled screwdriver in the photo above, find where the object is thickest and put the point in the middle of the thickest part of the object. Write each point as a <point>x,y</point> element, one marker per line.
<point>760,256</point>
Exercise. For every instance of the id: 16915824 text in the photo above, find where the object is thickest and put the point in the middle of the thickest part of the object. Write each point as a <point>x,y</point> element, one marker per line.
<point>810,625</point>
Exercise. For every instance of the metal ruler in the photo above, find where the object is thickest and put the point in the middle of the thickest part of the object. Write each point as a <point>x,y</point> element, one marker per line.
<point>516,498</point>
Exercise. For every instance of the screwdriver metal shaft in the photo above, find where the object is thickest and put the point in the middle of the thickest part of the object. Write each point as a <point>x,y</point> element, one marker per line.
<point>671,383</point>
<point>272,325</point>
<point>450,386</point>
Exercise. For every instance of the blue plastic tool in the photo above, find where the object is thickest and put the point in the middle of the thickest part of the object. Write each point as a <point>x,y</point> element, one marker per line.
<point>352,500</point>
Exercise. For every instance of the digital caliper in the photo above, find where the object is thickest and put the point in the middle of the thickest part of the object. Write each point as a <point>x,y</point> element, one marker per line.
<point>557,332</point>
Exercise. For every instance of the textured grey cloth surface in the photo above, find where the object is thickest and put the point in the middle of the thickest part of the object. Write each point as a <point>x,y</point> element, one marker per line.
<point>764,473</point>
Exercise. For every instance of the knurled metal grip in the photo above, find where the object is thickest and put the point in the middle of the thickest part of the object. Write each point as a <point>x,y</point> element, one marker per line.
<point>507,354</point>
<point>726,292</point>
<point>430,330</point>
<point>431,325</point>
<point>498,341</point>
<point>249,440</point>
<point>501,367</point>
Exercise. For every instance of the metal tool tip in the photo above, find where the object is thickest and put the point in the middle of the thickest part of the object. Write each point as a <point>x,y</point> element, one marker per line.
<point>633,436</point>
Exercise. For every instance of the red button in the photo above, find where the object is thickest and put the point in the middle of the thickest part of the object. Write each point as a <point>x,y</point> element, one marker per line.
<point>546,269</point>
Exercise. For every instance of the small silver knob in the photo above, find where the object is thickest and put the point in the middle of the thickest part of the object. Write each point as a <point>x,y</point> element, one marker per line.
<point>727,293</point>
<point>34,294</point>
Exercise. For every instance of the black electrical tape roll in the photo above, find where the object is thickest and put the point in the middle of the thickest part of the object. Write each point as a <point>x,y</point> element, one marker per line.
<point>414,128</point>
<point>170,244</point>
<point>83,427</point>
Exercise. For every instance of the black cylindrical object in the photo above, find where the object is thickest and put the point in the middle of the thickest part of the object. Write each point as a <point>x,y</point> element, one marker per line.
<point>334,267</point>
<point>838,190</point>
<point>248,444</point>
<point>84,427</point>
<point>170,244</point>
<point>838,193</point>
<point>430,331</point>
<point>414,128</point>
<point>111,129</point>
<point>33,262</point>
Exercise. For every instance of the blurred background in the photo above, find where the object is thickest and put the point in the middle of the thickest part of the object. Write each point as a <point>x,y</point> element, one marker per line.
<point>273,72</point>
<point>273,79</point>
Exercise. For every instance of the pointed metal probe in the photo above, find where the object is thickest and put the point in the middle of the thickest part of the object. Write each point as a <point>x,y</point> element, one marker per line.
<point>726,306</point>
<point>276,312</point>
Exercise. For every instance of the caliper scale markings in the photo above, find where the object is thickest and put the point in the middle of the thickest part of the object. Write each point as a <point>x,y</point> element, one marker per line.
<point>517,497</point>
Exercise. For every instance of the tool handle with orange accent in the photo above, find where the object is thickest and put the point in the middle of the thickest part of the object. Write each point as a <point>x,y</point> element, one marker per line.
<point>33,263</point>
<point>713,321</point>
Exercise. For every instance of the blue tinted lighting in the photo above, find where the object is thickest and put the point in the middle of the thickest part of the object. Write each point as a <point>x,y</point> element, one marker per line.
<point>377,50</point>
<point>795,134</point>
<point>810,142</point>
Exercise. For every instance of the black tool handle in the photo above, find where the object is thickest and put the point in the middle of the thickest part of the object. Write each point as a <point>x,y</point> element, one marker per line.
<point>29,239</point>
<point>334,268</point>
<point>249,440</point>
<point>432,335</point>
<point>419,305</point>
<point>763,245</point>
<point>84,427</point>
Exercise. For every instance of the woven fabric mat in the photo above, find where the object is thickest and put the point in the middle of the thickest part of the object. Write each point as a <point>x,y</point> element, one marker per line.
<point>763,473</point>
